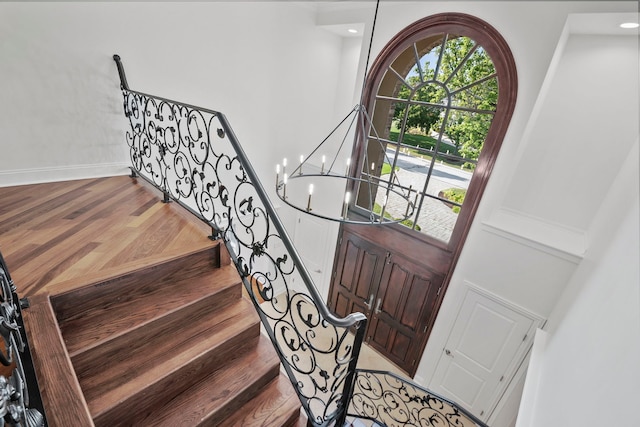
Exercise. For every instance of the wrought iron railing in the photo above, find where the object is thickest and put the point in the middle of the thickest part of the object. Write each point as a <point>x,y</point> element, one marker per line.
<point>389,400</point>
<point>192,155</point>
<point>20,403</point>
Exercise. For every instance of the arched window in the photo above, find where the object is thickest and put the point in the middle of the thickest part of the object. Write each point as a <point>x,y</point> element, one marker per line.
<point>440,96</point>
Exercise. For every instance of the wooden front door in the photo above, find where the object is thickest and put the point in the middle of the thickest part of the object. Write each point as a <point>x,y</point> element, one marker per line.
<point>398,295</point>
<point>440,96</point>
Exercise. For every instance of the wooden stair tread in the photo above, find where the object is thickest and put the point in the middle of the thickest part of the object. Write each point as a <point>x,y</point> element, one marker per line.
<point>146,363</point>
<point>131,283</point>
<point>219,394</point>
<point>277,404</point>
<point>217,287</point>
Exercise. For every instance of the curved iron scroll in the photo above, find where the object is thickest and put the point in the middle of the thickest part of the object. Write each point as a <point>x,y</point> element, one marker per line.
<point>389,400</point>
<point>15,407</point>
<point>193,156</point>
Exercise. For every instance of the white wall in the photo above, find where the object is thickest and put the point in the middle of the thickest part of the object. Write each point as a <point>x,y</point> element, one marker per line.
<point>265,65</point>
<point>588,370</point>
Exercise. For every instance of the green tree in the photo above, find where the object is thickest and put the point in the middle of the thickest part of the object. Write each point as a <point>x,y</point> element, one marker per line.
<point>473,86</point>
<point>419,116</point>
<point>469,75</point>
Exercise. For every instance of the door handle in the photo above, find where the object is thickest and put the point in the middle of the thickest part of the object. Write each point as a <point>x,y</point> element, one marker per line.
<point>377,309</point>
<point>370,302</point>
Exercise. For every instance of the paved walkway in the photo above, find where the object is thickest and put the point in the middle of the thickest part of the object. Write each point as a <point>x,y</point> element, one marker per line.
<point>436,219</point>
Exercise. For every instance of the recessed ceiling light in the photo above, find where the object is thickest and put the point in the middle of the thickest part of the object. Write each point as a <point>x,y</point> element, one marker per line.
<point>352,31</point>
<point>630,25</point>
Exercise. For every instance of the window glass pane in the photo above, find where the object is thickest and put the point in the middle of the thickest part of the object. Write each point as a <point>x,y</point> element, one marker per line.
<point>455,51</point>
<point>404,89</point>
<point>429,62</point>
<point>391,84</point>
<point>468,131</point>
<point>436,219</point>
<point>447,173</point>
<point>434,136</point>
<point>477,67</point>
<point>482,96</point>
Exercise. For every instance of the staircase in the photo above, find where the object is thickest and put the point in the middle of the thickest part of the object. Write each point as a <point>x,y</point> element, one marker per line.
<point>170,344</point>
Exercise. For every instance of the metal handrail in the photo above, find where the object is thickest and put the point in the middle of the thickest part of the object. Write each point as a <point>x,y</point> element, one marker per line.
<point>293,325</point>
<point>347,321</point>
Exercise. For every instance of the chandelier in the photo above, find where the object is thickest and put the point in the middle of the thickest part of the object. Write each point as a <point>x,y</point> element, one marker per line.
<point>329,184</point>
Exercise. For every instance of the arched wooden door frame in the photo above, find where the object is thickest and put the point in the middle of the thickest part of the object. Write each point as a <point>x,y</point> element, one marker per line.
<point>412,250</point>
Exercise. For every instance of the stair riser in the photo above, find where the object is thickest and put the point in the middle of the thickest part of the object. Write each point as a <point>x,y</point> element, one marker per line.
<point>147,342</point>
<point>277,404</point>
<point>214,419</point>
<point>122,341</point>
<point>160,393</point>
<point>133,285</point>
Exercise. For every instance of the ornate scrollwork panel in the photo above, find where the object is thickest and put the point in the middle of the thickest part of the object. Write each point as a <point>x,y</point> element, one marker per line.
<point>187,153</point>
<point>14,396</point>
<point>388,400</point>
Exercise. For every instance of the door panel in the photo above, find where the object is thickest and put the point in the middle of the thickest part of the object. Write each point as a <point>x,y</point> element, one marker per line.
<point>483,344</point>
<point>348,271</point>
<point>365,272</point>
<point>391,295</point>
<point>407,294</point>
<point>401,346</point>
<point>356,277</point>
<point>417,294</point>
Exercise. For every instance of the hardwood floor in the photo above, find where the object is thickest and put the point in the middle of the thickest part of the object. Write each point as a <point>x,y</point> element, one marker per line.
<point>56,237</point>
<point>118,279</point>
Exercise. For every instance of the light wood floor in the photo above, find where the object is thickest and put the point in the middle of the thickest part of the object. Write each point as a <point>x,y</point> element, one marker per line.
<point>59,236</point>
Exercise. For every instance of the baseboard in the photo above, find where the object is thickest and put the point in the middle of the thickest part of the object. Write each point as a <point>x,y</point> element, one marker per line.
<point>64,173</point>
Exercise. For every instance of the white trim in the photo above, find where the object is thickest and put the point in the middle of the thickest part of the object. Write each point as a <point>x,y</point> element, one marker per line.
<point>506,411</point>
<point>555,239</point>
<point>61,173</point>
<point>512,306</point>
<point>534,371</point>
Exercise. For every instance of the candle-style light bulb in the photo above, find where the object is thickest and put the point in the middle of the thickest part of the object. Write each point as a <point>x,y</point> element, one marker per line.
<point>384,206</point>
<point>301,162</point>
<point>284,187</point>
<point>324,158</point>
<point>347,199</point>
<point>348,164</point>
<point>277,174</point>
<point>309,199</point>
<point>373,166</point>
<point>284,164</point>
